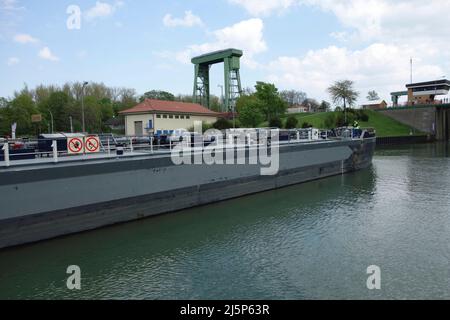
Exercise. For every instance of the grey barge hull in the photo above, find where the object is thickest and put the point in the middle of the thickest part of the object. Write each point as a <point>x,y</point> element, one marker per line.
<point>44,201</point>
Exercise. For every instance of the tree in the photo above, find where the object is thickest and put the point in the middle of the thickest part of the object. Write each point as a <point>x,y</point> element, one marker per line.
<point>343,92</point>
<point>158,95</point>
<point>276,123</point>
<point>21,109</point>
<point>373,96</point>
<point>312,105</point>
<point>57,104</point>
<point>249,110</point>
<point>293,97</point>
<point>324,107</point>
<point>271,103</point>
<point>250,116</point>
<point>291,122</point>
<point>214,104</point>
<point>222,124</point>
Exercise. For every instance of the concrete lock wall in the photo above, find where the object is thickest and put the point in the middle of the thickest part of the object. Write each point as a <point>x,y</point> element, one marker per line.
<point>423,119</point>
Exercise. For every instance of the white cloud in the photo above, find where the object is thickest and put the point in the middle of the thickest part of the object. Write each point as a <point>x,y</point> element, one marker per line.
<point>25,38</point>
<point>189,20</point>
<point>246,35</point>
<point>102,10</point>
<point>9,5</point>
<point>13,61</point>
<point>46,54</point>
<point>379,36</point>
<point>264,7</point>
<point>380,67</point>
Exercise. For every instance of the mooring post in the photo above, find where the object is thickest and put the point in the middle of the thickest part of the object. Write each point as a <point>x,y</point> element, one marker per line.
<point>6,153</point>
<point>55,151</point>
<point>151,144</point>
<point>109,149</point>
<point>131,145</point>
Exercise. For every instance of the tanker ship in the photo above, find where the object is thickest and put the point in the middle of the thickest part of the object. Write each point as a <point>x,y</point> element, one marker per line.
<point>45,197</point>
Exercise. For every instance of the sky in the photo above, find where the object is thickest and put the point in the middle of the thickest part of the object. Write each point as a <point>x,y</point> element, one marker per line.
<point>296,44</point>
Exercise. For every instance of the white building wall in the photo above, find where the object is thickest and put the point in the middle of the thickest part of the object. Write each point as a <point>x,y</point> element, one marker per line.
<point>164,124</point>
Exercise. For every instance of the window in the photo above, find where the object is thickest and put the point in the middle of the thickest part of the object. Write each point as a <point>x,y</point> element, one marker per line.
<point>177,117</point>
<point>165,116</point>
<point>181,117</point>
<point>188,117</point>
<point>171,117</point>
<point>158,116</point>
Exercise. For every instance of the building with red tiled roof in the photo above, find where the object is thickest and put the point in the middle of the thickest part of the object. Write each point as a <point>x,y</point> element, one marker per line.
<point>163,117</point>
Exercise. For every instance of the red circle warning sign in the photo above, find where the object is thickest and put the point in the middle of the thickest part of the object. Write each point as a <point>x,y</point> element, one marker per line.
<point>92,144</point>
<point>75,145</point>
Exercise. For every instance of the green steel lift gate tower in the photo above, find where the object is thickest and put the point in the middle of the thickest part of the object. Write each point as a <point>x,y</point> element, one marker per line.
<point>233,88</point>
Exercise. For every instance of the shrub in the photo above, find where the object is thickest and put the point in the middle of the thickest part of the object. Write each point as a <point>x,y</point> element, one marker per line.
<point>363,116</point>
<point>222,124</point>
<point>306,125</point>
<point>330,121</point>
<point>291,122</point>
<point>276,123</point>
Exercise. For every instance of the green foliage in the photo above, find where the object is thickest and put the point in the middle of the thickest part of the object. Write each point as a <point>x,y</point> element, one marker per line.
<point>222,124</point>
<point>373,96</point>
<point>330,121</point>
<point>324,106</point>
<point>362,115</point>
<point>306,125</point>
<point>275,123</point>
<point>270,102</point>
<point>293,97</point>
<point>343,92</point>
<point>101,104</point>
<point>291,122</point>
<point>158,95</point>
<point>250,116</point>
<point>21,109</point>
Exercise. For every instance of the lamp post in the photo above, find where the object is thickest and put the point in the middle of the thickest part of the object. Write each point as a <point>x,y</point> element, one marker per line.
<point>82,105</point>
<point>71,124</point>
<point>51,117</point>
<point>221,96</point>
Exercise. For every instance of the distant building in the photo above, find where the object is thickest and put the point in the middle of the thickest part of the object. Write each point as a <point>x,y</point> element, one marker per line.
<point>423,92</point>
<point>297,109</point>
<point>163,117</point>
<point>375,106</point>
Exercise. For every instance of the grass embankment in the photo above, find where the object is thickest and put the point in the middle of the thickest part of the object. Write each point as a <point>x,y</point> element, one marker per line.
<point>385,126</point>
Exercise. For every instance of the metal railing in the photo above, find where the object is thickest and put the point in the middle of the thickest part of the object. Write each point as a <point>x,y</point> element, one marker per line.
<point>33,149</point>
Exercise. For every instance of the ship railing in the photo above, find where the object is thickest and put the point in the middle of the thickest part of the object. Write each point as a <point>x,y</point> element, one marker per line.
<point>31,150</point>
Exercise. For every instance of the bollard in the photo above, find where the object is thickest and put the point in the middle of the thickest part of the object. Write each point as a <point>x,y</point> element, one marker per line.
<point>151,144</point>
<point>298,136</point>
<point>131,145</point>
<point>55,151</point>
<point>109,149</point>
<point>6,154</point>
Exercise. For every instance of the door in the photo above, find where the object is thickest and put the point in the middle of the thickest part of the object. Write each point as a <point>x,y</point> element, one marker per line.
<point>138,128</point>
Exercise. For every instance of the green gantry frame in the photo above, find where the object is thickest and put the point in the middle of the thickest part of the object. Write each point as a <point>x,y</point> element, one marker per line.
<point>233,88</point>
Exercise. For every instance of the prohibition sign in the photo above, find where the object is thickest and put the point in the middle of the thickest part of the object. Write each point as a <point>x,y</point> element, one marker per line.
<point>75,145</point>
<point>92,144</point>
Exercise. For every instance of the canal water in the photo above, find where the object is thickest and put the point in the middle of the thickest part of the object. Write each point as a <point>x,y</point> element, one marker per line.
<point>310,241</point>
